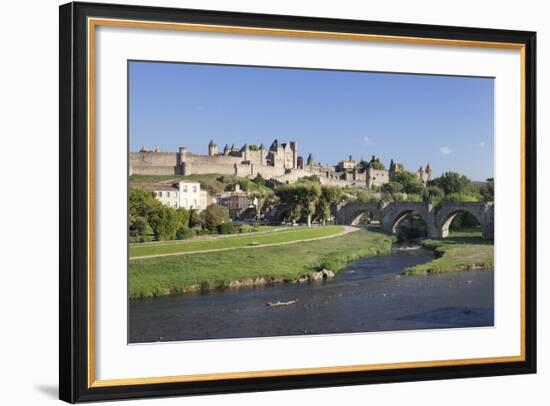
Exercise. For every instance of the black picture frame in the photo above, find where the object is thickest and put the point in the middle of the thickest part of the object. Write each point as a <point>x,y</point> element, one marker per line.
<point>74,383</point>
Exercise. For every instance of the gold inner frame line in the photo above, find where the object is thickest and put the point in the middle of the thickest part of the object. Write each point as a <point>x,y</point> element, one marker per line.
<point>94,22</point>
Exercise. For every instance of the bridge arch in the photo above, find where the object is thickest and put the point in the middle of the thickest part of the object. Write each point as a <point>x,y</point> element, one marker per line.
<point>356,217</point>
<point>446,223</point>
<point>394,214</point>
<point>352,212</point>
<point>481,211</point>
<point>398,218</point>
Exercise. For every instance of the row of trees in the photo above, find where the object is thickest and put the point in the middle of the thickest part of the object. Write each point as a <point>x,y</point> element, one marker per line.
<point>309,200</point>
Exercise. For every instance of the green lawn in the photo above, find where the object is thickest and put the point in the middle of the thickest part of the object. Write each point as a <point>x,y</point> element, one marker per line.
<point>461,251</point>
<point>256,230</point>
<point>176,274</point>
<point>237,241</point>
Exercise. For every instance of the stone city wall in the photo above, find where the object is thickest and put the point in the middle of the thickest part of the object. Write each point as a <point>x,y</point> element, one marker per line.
<point>211,160</point>
<point>154,158</point>
<point>153,170</point>
<point>197,167</point>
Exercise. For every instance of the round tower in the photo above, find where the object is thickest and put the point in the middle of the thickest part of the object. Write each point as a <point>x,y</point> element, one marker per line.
<point>212,148</point>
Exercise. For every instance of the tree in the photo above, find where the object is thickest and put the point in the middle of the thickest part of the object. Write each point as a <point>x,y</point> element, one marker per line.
<point>433,194</point>
<point>409,181</point>
<point>301,199</point>
<point>487,190</point>
<point>288,196</point>
<point>162,222</point>
<point>142,202</point>
<point>377,165</point>
<point>194,218</point>
<point>137,226</point>
<point>261,201</point>
<point>214,215</point>
<point>392,187</point>
<point>330,196</point>
<point>453,182</point>
<point>308,196</point>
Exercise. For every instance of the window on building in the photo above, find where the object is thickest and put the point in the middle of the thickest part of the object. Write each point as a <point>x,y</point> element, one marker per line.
<point>185,203</point>
<point>167,194</point>
<point>160,194</point>
<point>194,188</point>
<point>184,189</point>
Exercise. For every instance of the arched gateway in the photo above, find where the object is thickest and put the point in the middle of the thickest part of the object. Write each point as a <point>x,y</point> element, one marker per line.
<point>438,219</point>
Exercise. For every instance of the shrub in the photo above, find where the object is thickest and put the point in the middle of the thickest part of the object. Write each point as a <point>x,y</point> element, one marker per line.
<point>461,197</point>
<point>366,197</point>
<point>184,233</point>
<point>215,215</point>
<point>245,228</point>
<point>413,197</point>
<point>226,228</point>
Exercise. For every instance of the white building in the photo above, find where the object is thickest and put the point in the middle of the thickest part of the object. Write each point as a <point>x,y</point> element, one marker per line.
<point>182,194</point>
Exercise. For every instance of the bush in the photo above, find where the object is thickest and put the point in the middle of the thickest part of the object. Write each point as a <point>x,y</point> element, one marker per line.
<point>226,228</point>
<point>366,197</point>
<point>245,228</point>
<point>184,233</point>
<point>461,197</point>
<point>214,215</point>
<point>414,197</point>
<point>140,238</point>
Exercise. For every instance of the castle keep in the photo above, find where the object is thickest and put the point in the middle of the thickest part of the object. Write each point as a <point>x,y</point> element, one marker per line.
<point>280,162</point>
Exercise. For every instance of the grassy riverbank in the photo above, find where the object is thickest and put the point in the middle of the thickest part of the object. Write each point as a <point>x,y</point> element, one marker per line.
<point>285,263</point>
<point>237,241</point>
<point>459,252</point>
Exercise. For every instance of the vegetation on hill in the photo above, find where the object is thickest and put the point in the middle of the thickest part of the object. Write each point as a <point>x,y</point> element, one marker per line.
<point>213,182</point>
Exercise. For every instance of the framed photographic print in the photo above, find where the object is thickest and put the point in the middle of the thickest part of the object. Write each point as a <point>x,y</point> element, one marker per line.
<point>257,202</point>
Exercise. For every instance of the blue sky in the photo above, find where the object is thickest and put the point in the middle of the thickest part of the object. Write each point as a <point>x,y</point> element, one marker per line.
<point>415,119</point>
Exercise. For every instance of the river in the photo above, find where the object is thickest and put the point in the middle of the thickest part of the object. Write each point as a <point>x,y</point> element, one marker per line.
<point>369,295</point>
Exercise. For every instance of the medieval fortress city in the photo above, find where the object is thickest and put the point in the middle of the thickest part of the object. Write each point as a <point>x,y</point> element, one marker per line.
<point>280,162</point>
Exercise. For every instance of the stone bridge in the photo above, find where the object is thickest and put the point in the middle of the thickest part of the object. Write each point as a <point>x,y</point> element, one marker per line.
<point>437,218</point>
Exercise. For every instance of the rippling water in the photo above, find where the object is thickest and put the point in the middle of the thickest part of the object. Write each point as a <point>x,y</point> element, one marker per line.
<point>369,295</point>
